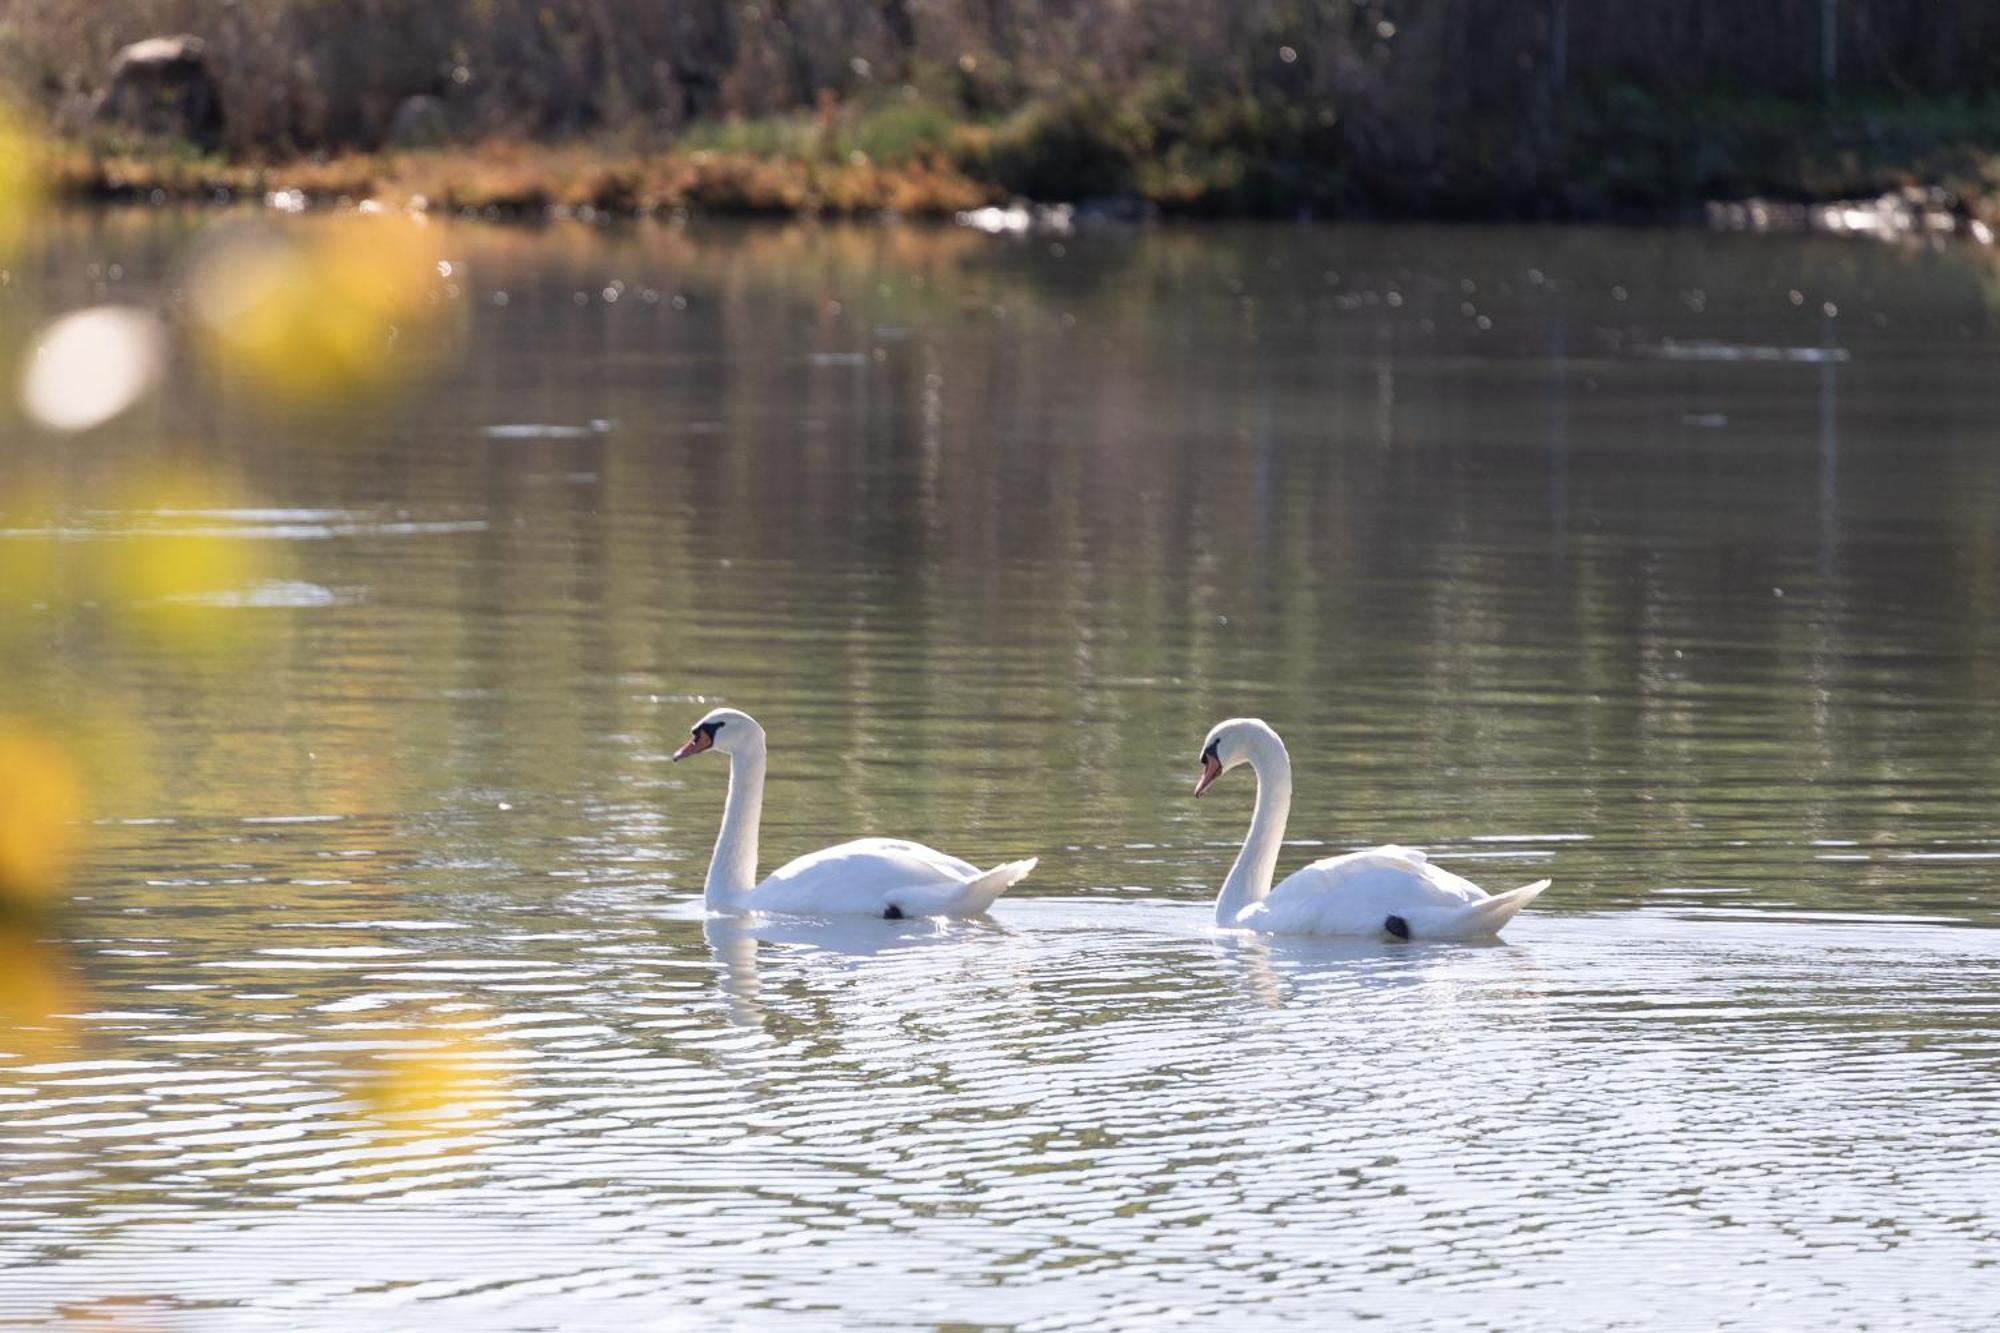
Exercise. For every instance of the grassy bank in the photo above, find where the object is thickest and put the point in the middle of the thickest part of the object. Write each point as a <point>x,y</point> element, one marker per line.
<point>1622,155</point>
<point>1437,108</point>
<point>517,179</point>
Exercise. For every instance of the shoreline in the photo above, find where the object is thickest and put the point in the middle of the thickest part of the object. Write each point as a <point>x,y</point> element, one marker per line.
<point>531,182</point>
<point>525,182</point>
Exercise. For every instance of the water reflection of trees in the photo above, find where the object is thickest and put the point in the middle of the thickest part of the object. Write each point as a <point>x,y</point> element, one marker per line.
<point>1028,515</point>
<point>1508,575</point>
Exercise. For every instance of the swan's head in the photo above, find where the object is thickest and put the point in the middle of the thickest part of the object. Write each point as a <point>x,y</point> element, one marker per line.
<point>726,729</point>
<point>1232,742</point>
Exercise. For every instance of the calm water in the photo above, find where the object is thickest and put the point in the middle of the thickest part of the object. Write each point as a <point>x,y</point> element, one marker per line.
<point>1662,564</point>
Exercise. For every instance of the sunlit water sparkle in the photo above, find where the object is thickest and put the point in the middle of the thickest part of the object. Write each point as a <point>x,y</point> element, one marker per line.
<point>987,537</point>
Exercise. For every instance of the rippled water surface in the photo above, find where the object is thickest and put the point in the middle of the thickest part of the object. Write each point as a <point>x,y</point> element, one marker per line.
<point>1661,564</point>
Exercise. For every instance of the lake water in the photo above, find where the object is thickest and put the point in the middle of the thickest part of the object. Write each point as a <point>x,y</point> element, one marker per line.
<point>1659,563</point>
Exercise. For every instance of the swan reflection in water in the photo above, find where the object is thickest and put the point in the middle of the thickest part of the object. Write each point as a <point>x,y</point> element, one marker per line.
<point>1272,970</point>
<point>846,946</point>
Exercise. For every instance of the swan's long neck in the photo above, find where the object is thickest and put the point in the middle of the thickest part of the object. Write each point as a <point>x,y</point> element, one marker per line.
<point>1250,878</point>
<point>733,869</point>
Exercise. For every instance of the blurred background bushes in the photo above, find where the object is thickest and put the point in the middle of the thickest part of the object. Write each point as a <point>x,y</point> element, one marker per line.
<point>1434,106</point>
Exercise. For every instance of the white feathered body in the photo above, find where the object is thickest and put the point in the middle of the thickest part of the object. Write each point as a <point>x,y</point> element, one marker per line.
<point>869,876</point>
<point>1358,894</point>
<point>875,875</point>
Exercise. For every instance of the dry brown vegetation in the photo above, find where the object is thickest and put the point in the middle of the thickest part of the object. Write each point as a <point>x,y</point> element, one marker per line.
<point>516,178</point>
<point>1260,106</point>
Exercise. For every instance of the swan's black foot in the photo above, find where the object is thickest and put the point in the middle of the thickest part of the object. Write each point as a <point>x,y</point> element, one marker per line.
<point>894,913</point>
<point>1398,927</point>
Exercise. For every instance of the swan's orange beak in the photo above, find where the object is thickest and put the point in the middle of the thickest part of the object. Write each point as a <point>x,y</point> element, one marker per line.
<point>699,741</point>
<point>1211,769</point>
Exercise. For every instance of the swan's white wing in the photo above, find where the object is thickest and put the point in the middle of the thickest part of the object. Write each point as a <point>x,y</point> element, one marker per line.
<point>1357,893</point>
<point>859,876</point>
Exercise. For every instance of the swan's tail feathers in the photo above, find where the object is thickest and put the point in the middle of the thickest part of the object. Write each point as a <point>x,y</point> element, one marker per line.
<point>1491,915</point>
<point>980,892</point>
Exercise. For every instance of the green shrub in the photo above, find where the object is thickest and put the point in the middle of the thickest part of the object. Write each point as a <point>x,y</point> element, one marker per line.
<point>794,134</point>
<point>1072,147</point>
<point>902,130</point>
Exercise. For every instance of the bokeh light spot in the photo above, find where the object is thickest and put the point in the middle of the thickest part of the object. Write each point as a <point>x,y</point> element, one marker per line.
<point>89,366</point>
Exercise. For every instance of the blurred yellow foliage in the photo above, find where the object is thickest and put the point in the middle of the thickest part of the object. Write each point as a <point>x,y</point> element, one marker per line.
<point>20,180</point>
<point>438,1089</point>
<point>27,555</point>
<point>309,311</point>
<point>166,557</point>
<point>178,559</point>
<point>41,812</point>
<point>315,308</point>
<point>39,994</point>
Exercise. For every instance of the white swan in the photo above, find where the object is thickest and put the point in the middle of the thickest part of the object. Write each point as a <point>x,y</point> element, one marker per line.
<point>884,877</point>
<point>1390,891</point>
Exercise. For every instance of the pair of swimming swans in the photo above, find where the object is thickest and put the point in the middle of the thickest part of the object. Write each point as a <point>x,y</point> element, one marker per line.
<point>1391,891</point>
